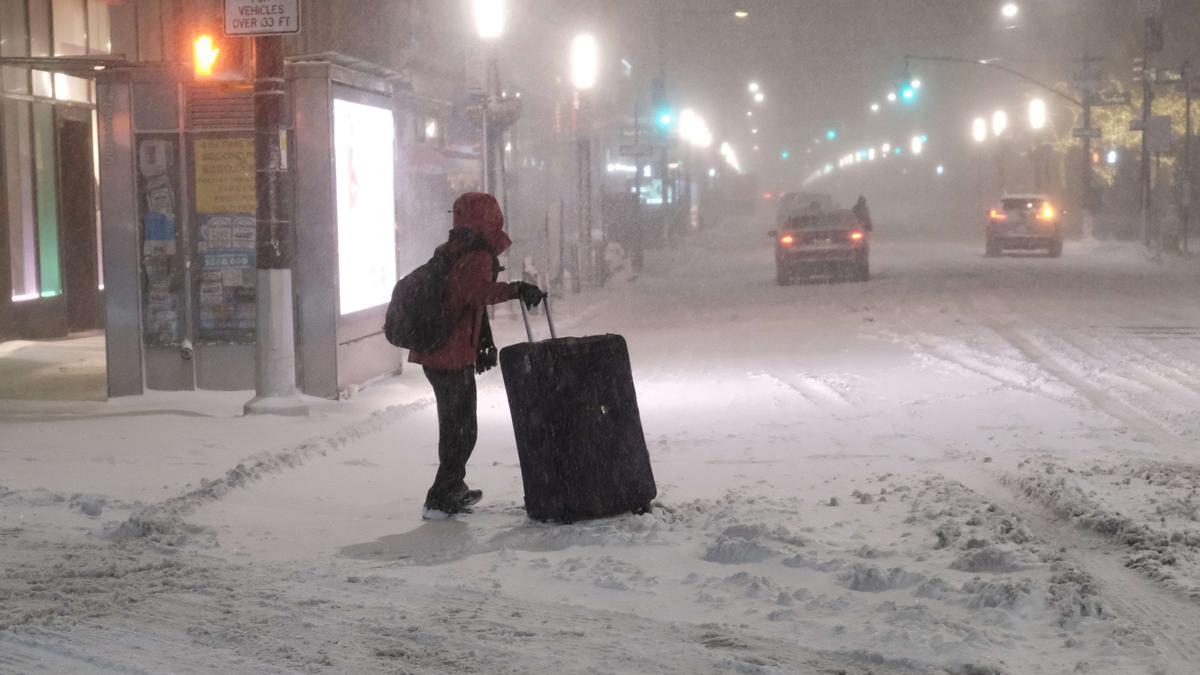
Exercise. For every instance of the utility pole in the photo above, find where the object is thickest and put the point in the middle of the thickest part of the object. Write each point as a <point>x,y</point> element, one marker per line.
<point>1185,73</point>
<point>275,372</point>
<point>637,229</point>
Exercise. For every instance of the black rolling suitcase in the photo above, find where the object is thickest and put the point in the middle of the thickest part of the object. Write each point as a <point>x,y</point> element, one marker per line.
<point>579,434</point>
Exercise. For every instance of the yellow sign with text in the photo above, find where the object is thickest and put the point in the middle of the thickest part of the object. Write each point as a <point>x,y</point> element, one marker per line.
<point>225,176</point>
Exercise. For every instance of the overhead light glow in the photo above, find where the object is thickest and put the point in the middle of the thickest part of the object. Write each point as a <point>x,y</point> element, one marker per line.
<point>1111,157</point>
<point>753,86</point>
<point>759,97</point>
<point>1010,10</point>
<point>891,97</point>
<point>916,145</point>
<point>489,18</point>
<point>941,170</point>
<point>999,122</point>
<point>1037,114</point>
<point>741,14</point>
<point>979,130</point>
<point>874,107</point>
<point>585,61</point>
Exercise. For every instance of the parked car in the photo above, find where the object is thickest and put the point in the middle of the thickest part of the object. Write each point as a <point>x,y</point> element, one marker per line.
<point>831,244</point>
<point>1026,223</point>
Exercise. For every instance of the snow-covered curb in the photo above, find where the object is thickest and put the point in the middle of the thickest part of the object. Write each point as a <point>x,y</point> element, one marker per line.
<point>164,523</point>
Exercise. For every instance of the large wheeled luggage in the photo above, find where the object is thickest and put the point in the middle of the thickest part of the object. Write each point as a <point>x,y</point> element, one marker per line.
<point>579,434</point>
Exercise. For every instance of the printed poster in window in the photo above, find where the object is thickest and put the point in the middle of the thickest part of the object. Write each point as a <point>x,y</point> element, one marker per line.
<point>225,237</point>
<point>162,273</point>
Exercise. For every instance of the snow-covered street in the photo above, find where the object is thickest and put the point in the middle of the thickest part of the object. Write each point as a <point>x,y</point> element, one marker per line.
<point>966,465</point>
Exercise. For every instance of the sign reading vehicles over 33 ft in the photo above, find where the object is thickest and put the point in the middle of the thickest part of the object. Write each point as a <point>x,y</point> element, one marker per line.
<point>262,17</point>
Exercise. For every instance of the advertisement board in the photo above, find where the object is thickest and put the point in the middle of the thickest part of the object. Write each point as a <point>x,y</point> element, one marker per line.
<point>225,270</point>
<point>363,139</point>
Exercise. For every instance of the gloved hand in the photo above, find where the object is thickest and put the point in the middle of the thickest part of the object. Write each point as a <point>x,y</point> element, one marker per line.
<point>486,358</point>
<point>527,293</point>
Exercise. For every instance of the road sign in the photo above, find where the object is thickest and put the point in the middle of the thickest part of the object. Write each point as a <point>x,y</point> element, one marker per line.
<point>637,150</point>
<point>1086,132</point>
<point>262,17</point>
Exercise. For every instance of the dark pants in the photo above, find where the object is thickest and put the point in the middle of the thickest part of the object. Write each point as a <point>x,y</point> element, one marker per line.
<point>458,429</point>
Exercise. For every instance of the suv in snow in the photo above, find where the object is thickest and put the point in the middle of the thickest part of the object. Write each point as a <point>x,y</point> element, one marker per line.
<point>833,243</point>
<point>792,204</point>
<point>1024,222</point>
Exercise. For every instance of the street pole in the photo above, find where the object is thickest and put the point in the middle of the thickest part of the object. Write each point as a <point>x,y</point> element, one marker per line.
<point>636,232</point>
<point>1147,102</point>
<point>1085,166</point>
<point>1187,153</point>
<point>275,371</point>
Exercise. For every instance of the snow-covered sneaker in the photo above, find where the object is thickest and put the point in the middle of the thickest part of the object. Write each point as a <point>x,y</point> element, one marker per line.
<point>429,513</point>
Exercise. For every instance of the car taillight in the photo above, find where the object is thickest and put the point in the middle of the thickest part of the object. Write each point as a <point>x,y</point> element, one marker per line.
<point>1047,212</point>
<point>787,241</point>
<point>997,214</point>
<point>857,236</point>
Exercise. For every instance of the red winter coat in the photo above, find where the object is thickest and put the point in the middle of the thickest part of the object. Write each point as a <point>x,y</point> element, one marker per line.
<point>471,288</point>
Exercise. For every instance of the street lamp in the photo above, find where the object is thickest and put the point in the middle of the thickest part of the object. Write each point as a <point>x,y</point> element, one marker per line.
<point>874,107</point>
<point>741,14</point>
<point>979,130</point>
<point>585,61</point>
<point>753,87</point>
<point>759,97</point>
<point>916,145</point>
<point>489,18</point>
<point>1037,114</point>
<point>999,122</point>
<point>1010,10</point>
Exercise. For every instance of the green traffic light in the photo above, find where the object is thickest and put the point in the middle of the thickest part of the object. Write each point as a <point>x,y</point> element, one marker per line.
<point>785,155</point>
<point>831,134</point>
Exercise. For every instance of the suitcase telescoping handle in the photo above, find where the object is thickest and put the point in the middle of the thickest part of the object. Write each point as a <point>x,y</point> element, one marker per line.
<point>549,318</point>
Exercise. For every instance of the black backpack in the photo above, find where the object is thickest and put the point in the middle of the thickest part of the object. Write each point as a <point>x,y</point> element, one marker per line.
<point>416,317</point>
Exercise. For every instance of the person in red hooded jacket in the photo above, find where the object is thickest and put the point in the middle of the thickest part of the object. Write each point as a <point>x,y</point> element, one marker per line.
<point>475,243</point>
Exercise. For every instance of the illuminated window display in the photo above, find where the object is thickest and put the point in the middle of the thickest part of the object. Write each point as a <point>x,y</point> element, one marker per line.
<point>363,156</point>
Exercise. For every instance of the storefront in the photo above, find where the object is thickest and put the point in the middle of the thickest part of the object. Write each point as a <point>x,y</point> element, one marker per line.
<point>178,199</point>
<point>50,274</point>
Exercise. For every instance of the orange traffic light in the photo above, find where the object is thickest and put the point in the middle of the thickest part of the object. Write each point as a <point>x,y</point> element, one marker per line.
<point>205,54</point>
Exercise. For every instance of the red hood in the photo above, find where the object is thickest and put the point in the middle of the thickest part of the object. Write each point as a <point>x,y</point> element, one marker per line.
<point>479,213</point>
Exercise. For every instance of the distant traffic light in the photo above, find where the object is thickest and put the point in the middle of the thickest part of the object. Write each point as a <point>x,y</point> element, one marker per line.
<point>664,119</point>
<point>831,134</point>
<point>785,155</point>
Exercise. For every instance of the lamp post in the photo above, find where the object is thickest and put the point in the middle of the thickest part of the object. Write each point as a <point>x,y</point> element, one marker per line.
<point>979,132</point>
<point>1037,122</point>
<point>489,23</point>
<point>999,126</point>
<point>585,63</point>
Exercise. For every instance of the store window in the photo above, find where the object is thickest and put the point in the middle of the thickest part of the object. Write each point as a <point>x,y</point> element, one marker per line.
<point>99,31</point>
<point>46,181</point>
<point>70,88</point>
<point>39,27</point>
<point>13,42</point>
<point>18,188</point>
<point>70,27</point>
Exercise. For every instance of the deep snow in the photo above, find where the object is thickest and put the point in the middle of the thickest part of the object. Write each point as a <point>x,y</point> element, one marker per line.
<point>880,477</point>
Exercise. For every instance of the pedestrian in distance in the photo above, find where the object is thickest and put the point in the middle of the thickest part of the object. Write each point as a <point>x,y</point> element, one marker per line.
<point>862,213</point>
<point>473,249</point>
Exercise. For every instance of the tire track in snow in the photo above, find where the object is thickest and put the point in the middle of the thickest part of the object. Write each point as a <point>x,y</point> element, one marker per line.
<point>1057,364</point>
<point>1171,622</point>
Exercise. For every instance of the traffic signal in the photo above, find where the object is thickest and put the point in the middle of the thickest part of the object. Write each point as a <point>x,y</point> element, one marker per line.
<point>785,155</point>
<point>831,134</point>
<point>908,88</point>
<point>217,58</point>
<point>204,56</point>
<point>664,118</point>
